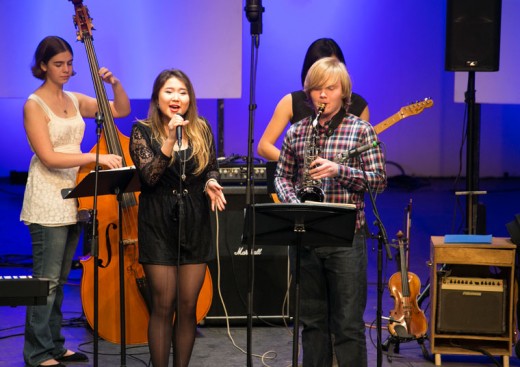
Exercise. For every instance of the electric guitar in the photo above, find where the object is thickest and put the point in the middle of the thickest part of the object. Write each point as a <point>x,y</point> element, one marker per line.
<point>407,111</point>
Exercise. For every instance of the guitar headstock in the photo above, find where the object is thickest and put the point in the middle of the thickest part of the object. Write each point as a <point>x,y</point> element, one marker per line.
<point>416,108</point>
<point>82,20</point>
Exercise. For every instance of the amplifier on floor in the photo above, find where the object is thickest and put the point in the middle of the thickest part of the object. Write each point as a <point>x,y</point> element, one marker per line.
<point>271,269</point>
<point>471,306</point>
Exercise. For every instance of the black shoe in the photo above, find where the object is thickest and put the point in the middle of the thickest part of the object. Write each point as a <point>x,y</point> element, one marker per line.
<point>75,357</point>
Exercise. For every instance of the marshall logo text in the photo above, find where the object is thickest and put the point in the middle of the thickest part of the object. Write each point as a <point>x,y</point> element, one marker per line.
<point>243,251</point>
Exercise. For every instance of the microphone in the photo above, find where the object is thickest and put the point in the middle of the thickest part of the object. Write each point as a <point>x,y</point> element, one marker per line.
<point>254,10</point>
<point>179,132</point>
<point>354,152</point>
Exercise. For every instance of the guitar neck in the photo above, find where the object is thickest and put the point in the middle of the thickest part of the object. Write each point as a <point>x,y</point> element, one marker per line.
<point>382,126</point>
<point>406,111</point>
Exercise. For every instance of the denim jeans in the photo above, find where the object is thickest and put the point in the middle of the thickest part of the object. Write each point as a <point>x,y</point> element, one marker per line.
<point>333,297</point>
<point>53,249</point>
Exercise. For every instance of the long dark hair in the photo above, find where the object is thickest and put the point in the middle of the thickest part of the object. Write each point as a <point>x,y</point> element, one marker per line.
<point>322,47</point>
<point>49,47</point>
<point>197,131</point>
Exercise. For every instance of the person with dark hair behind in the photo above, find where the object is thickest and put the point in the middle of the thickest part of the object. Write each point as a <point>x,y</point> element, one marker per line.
<point>333,279</point>
<point>175,259</point>
<point>294,107</point>
<point>53,121</point>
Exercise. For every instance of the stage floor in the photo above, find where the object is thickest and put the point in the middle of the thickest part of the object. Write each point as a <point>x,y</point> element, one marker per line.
<point>435,212</point>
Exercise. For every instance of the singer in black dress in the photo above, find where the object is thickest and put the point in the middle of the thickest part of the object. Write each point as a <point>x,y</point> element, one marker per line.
<point>158,203</point>
<point>178,174</point>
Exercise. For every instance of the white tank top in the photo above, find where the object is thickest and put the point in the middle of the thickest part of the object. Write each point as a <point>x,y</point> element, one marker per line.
<point>42,202</point>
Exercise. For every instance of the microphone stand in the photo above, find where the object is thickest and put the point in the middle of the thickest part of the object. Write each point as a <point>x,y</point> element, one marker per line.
<point>254,12</point>
<point>382,239</point>
<point>94,248</point>
<point>180,221</point>
<point>250,203</point>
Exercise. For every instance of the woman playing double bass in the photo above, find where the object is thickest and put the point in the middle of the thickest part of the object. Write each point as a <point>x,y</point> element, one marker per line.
<point>174,153</point>
<point>53,121</point>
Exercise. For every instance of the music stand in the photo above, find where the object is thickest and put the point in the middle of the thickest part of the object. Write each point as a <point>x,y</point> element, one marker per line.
<point>109,182</point>
<point>308,224</point>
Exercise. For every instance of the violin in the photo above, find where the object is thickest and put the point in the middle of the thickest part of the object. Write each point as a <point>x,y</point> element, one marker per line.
<point>134,285</point>
<point>407,320</point>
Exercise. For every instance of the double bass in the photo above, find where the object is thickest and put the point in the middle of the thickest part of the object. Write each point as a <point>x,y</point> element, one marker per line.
<point>106,218</point>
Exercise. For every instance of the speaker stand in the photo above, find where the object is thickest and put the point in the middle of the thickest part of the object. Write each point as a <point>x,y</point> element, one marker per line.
<point>472,157</point>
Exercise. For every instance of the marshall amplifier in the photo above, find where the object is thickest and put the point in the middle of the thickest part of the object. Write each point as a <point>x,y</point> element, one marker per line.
<point>471,306</point>
<point>271,269</point>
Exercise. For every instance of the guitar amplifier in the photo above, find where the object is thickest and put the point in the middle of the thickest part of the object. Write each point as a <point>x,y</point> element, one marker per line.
<point>271,268</point>
<point>471,306</point>
<point>236,174</point>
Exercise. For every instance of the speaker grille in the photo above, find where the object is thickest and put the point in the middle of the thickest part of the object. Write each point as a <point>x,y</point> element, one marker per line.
<point>471,306</point>
<point>271,269</point>
<point>473,35</point>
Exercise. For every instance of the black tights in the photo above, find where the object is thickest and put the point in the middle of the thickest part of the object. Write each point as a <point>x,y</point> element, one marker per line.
<point>163,283</point>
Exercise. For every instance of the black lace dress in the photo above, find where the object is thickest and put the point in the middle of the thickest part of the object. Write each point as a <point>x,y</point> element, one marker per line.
<point>158,214</point>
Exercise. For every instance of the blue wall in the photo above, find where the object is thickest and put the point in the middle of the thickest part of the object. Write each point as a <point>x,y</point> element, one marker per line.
<point>395,55</point>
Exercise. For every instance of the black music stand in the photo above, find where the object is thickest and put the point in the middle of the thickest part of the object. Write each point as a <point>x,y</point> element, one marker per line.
<point>109,182</point>
<point>308,224</point>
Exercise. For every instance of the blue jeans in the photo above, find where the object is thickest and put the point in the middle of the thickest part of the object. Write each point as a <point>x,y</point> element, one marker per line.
<point>53,249</point>
<point>333,297</point>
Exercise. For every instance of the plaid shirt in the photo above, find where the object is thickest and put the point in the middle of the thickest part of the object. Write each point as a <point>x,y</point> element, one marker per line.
<point>349,185</point>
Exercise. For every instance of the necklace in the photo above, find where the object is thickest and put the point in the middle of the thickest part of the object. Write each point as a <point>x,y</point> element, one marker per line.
<point>65,106</point>
<point>183,165</point>
<point>182,157</point>
<point>182,153</point>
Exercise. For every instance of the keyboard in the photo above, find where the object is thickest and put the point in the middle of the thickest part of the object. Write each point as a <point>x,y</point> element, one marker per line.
<point>23,290</point>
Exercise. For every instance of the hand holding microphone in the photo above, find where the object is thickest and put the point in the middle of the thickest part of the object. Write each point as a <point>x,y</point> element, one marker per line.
<point>176,123</point>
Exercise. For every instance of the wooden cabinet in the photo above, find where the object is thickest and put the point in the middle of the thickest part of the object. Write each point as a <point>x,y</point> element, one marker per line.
<point>501,256</point>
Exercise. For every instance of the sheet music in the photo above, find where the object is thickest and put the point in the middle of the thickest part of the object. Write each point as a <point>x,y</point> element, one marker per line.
<point>339,205</point>
<point>117,169</point>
